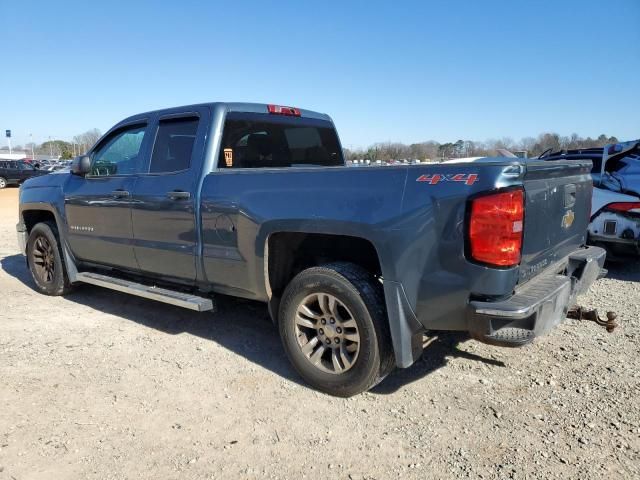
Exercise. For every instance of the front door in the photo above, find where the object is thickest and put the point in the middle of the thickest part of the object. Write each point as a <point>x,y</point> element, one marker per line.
<point>98,206</point>
<point>164,198</point>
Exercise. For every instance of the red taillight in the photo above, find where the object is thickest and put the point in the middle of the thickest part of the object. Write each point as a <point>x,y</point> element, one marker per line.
<point>633,207</point>
<point>280,110</point>
<point>495,228</point>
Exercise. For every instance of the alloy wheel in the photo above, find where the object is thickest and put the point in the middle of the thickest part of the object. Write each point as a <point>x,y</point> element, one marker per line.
<point>43,260</point>
<point>327,333</point>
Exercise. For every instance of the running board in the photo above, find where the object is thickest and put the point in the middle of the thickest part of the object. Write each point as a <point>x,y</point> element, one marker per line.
<point>179,299</point>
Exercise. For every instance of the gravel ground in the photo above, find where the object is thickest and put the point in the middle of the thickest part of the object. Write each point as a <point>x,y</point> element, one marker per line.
<point>100,385</point>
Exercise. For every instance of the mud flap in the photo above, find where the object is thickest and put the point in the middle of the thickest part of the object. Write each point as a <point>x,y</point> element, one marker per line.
<point>406,331</point>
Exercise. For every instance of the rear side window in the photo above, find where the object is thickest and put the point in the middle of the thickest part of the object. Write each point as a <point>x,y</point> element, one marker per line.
<point>174,145</point>
<point>255,140</point>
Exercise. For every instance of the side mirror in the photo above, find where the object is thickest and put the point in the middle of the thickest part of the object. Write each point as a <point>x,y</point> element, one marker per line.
<point>81,165</point>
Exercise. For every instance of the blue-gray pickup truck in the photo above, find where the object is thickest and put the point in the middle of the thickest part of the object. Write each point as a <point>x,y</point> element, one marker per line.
<point>355,264</point>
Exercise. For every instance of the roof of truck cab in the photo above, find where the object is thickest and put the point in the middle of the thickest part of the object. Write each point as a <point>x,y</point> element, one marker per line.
<point>230,107</point>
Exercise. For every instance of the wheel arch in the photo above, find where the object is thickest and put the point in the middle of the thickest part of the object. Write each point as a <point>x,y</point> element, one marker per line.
<point>286,253</point>
<point>32,213</point>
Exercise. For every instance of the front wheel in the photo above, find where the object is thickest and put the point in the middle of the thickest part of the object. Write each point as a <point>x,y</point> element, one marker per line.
<point>334,329</point>
<point>44,257</point>
<point>3,182</point>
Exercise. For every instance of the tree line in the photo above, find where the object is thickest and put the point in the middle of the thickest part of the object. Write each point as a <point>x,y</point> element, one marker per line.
<point>384,151</point>
<point>433,150</point>
<point>79,145</point>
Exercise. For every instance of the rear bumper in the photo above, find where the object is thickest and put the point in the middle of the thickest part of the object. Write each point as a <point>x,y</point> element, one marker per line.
<point>23,234</point>
<point>539,305</point>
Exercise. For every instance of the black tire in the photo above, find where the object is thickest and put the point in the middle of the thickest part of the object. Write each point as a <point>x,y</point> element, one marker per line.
<point>362,295</point>
<point>47,270</point>
<point>3,182</point>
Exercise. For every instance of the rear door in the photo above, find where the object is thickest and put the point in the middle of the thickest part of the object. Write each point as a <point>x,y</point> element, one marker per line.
<point>98,206</point>
<point>557,212</point>
<point>164,200</point>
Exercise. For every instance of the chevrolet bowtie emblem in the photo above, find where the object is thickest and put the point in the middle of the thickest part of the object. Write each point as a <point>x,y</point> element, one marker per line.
<point>568,218</point>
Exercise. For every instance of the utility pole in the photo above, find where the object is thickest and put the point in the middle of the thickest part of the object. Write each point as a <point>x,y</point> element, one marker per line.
<point>50,148</point>
<point>33,157</point>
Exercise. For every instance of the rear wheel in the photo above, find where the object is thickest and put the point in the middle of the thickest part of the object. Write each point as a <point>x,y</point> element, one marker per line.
<point>44,257</point>
<point>3,182</point>
<point>334,329</point>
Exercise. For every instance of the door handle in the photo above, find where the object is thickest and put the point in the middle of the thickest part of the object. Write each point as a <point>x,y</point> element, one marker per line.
<point>178,195</point>
<point>120,193</point>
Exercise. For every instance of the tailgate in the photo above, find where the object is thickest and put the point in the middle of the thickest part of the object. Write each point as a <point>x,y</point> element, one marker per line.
<point>557,210</point>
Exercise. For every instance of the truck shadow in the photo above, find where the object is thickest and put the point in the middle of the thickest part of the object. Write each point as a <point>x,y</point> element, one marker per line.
<point>437,352</point>
<point>628,271</point>
<point>241,326</point>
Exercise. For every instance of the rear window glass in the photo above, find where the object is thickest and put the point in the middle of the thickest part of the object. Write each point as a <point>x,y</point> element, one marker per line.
<point>254,140</point>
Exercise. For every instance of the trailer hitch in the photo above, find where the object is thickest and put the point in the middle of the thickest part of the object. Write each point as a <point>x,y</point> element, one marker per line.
<point>581,313</point>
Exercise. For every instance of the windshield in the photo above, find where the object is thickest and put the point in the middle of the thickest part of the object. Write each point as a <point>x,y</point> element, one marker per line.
<point>254,140</point>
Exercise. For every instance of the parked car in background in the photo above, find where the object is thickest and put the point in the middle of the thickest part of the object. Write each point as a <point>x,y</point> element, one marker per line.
<point>615,206</point>
<point>14,172</point>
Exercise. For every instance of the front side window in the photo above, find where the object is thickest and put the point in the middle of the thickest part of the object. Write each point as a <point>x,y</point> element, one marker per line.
<point>120,153</point>
<point>174,145</point>
<point>255,140</point>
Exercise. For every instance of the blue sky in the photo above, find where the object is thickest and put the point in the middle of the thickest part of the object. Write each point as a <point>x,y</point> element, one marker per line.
<point>385,71</point>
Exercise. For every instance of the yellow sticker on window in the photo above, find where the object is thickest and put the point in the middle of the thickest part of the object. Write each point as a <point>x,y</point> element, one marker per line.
<point>228,157</point>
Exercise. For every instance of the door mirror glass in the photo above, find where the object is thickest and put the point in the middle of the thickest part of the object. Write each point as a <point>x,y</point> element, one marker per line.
<point>81,165</point>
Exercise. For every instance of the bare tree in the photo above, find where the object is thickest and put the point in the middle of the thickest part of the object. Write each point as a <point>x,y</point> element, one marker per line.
<point>86,140</point>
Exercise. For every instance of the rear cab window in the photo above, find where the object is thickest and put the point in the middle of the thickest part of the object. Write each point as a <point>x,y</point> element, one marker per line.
<point>257,140</point>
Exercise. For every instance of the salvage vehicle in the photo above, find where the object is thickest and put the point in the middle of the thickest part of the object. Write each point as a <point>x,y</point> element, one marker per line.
<point>14,172</point>
<point>355,264</point>
<point>615,208</point>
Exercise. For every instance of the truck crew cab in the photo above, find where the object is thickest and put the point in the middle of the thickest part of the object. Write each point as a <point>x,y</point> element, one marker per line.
<point>355,264</point>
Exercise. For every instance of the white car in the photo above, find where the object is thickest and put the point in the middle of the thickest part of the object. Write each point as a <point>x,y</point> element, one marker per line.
<point>615,223</point>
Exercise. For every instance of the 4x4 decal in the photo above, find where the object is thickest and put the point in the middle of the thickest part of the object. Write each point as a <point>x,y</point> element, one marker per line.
<point>468,179</point>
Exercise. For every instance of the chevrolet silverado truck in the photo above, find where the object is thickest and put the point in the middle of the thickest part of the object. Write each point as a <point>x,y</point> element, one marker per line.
<point>355,264</point>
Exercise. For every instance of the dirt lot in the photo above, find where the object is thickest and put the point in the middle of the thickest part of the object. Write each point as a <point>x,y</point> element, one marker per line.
<point>103,385</point>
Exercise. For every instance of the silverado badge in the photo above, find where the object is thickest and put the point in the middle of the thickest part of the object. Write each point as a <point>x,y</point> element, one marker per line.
<point>568,218</point>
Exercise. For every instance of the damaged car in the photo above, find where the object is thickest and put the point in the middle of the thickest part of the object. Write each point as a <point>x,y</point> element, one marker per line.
<point>615,205</point>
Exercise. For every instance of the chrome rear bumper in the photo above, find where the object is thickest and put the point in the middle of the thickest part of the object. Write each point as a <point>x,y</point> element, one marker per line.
<point>539,305</point>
